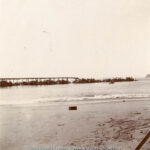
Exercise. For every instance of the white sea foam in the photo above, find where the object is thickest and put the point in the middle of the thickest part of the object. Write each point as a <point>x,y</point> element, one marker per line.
<point>97,98</point>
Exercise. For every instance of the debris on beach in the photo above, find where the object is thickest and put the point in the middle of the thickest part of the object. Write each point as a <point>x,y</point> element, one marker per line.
<point>72,107</point>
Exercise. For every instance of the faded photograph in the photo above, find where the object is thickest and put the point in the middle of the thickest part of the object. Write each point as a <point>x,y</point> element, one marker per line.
<point>74,75</point>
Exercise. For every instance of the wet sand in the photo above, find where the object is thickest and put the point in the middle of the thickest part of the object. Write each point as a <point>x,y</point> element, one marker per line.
<point>120,124</point>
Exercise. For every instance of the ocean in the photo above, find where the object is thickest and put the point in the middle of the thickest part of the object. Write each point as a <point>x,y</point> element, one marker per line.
<point>71,94</point>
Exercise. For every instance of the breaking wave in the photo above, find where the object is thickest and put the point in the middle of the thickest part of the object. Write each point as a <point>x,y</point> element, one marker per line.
<point>94,98</point>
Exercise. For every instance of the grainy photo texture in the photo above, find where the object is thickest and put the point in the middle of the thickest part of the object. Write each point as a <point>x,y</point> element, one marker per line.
<point>74,74</point>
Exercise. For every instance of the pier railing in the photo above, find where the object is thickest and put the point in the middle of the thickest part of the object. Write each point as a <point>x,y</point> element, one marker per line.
<point>39,78</point>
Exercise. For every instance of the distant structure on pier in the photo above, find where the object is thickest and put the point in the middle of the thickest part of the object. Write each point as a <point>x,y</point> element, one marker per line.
<point>147,76</point>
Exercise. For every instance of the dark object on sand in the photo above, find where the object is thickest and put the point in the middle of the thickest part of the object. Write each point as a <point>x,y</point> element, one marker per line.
<point>124,101</point>
<point>143,141</point>
<point>72,107</point>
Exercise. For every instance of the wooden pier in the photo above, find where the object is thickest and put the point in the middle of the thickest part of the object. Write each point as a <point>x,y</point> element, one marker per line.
<point>27,79</point>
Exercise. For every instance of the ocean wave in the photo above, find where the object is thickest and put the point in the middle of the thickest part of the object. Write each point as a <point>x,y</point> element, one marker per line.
<point>87,99</point>
<point>100,98</point>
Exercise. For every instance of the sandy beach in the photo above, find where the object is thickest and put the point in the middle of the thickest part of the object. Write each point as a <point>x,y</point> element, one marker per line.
<point>119,124</point>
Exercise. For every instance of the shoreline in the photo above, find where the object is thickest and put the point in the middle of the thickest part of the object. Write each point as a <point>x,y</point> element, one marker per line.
<point>97,101</point>
<point>106,124</point>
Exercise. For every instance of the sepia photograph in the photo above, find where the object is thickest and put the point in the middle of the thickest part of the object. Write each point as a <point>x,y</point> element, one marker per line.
<point>74,74</point>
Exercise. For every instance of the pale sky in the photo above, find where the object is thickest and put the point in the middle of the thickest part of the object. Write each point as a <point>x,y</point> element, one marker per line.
<point>83,38</point>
